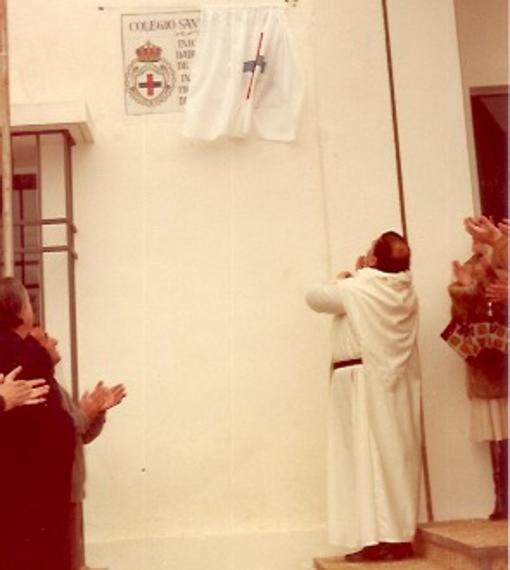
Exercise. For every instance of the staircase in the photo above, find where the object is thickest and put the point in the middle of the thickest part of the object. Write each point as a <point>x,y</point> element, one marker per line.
<point>451,545</point>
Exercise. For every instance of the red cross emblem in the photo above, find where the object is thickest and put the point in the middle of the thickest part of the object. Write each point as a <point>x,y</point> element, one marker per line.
<point>149,79</point>
<point>149,84</point>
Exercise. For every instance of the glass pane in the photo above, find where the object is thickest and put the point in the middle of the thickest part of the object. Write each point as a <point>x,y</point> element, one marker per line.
<point>490,123</point>
<point>26,211</point>
<point>53,175</point>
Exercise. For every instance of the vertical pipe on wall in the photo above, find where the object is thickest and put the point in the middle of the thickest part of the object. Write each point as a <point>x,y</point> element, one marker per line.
<point>401,195</point>
<point>5,120</point>
<point>71,278</point>
<point>40,233</point>
<point>396,137</point>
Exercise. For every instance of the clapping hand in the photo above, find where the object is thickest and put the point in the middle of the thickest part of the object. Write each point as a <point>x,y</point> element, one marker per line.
<point>113,396</point>
<point>22,392</point>
<point>462,273</point>
<point>483,230</point>
<point>504,226</point>
<point>101,399</point>
<point>497,292</point>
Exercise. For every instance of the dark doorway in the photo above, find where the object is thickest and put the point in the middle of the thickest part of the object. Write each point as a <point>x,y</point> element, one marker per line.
<point>490,125</point>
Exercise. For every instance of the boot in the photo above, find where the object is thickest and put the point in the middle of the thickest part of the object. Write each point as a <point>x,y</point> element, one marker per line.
<point>499,459</point>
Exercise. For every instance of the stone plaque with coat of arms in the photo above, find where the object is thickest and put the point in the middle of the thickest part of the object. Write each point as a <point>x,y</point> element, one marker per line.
<point>158,51</point>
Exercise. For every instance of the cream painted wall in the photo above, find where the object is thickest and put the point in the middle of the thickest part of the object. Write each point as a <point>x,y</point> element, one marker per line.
<point>357,144</point>
<point>483,41</point>
<point>437,184</point>
<point>194,259</point>
<point>482,31</point>
<point>355,129</point>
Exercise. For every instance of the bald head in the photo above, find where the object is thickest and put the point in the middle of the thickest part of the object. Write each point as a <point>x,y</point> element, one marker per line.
<point>391,252</point>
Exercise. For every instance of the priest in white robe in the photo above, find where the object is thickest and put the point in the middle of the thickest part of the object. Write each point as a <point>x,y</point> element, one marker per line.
<point>374,429</point>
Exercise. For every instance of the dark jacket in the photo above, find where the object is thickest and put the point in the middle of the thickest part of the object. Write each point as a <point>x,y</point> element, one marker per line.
<point>36,450</point>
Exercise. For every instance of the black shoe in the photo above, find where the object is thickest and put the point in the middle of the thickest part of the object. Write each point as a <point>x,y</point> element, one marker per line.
<point>396,551</point>
<point>382,552</point>
<point>366,554</point>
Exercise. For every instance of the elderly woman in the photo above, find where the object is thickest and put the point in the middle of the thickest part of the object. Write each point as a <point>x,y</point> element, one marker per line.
<point>36,450</point>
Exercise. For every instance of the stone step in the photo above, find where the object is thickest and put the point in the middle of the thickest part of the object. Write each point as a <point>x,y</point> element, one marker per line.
<point>338,563</point>
<point>465,545</point>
